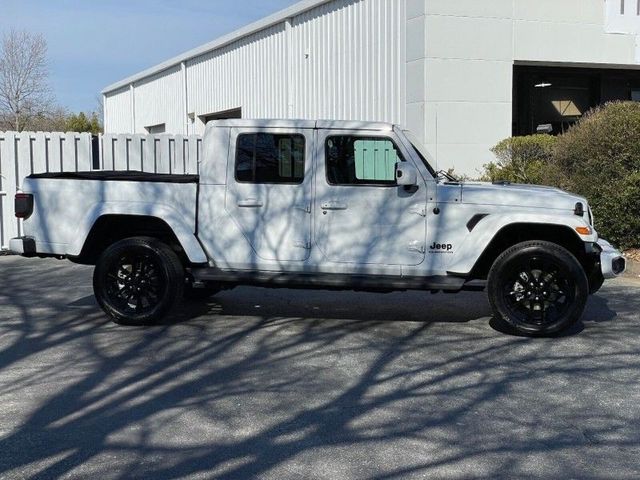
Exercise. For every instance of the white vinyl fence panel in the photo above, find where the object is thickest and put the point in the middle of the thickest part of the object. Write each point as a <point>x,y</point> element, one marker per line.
<point>24,153</point>
<point>162,153</point>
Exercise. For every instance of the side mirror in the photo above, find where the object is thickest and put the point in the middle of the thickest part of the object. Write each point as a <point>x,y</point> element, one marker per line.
<point>406,174</point>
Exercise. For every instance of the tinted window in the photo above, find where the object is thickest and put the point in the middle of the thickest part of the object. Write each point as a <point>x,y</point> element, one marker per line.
<point>269,158</point>
<point>361,160</point>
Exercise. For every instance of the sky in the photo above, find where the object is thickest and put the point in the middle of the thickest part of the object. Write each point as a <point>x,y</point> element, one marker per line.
<point>94,43</point>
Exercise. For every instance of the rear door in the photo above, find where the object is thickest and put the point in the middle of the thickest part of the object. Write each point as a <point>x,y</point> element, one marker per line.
<point>269,192</point>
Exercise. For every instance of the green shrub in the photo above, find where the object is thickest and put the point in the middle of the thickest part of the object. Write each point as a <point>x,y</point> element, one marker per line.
<point>599,158</point>
<point>521,159</point>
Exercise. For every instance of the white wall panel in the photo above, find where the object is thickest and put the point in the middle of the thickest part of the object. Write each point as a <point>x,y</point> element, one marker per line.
<point>117,111</point>
<point>250,73</point>
<point>473,38</point>
<point>159,99</point>
<point>473,8</point>
<point>565,11</point>
<point>476,81</point>
<point>570,43</point>
<point>348,61</point>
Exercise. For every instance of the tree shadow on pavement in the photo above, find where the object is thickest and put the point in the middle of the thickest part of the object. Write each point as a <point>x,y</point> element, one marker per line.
<point>280,384</point>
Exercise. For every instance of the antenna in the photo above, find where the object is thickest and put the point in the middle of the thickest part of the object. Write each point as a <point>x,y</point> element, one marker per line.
<point>436,210</point>
<point>437,169</point>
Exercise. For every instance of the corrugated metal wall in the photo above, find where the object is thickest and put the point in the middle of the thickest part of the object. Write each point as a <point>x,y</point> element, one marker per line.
<point>117,111</point>
<point>250,73</point>
<point>342,60</point>
<point>348,61</point>
<point>159,99</point>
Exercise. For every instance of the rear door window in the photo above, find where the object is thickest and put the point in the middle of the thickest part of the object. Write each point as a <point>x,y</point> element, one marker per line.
<point>270,158</point>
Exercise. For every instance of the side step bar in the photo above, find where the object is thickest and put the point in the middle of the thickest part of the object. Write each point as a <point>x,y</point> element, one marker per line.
<point>336,281</point>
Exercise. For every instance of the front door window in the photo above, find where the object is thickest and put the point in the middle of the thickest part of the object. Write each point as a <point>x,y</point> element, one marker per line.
<point>355,160</point>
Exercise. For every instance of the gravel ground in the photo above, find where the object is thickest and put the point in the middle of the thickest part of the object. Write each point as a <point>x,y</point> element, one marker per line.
<point>283,384</point>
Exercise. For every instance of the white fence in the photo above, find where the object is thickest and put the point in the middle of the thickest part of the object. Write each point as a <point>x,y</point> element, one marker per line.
<point>24,153</point>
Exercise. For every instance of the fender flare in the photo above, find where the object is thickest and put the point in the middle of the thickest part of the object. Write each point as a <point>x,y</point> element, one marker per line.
<point>487,229</point>
<point>176,222</point>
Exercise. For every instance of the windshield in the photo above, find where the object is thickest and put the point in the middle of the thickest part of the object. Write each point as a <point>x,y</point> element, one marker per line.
<point>422,152</point>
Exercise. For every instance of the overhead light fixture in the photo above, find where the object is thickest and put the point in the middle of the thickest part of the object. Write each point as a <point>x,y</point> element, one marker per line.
<point>543,85</point>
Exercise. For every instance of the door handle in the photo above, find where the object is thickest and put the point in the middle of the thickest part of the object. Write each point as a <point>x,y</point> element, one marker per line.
<point>334,206</point>
<point>250,203</point>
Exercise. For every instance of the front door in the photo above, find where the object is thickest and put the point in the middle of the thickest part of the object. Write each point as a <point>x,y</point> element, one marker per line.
<point>269,193</point>
<point>362,217</point>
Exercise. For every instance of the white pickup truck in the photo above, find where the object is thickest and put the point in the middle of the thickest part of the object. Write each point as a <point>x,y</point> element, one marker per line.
<point>318,204</point>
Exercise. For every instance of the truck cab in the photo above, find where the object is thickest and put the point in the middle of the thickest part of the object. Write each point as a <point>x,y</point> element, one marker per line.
<point>346,214</point>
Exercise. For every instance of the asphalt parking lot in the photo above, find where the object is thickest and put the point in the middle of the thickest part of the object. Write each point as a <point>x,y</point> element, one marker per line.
<point>281,384</point>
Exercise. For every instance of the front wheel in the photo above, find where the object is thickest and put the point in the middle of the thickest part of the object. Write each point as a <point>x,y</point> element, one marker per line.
<point>138,280</point>
<point>537,288</point>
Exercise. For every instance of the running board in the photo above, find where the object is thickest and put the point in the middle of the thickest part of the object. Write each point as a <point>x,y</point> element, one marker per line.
<point>335,281</point>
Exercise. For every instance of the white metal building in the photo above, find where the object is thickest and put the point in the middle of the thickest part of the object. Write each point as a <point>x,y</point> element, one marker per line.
<point>461,74</point>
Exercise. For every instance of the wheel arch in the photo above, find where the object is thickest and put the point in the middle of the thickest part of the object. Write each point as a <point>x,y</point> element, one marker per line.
<point>109,228</point>
<point>515,233</point>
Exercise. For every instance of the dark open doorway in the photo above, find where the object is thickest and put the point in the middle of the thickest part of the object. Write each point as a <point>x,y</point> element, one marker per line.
<point>550,99</point>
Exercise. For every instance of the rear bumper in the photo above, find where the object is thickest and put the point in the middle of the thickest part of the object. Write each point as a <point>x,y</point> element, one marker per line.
<point>25,246</point>
<point>612,262</point>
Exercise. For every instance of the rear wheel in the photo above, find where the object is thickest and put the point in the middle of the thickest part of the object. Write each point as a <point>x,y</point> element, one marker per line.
<point>138,280</point>
<point>537,288</point>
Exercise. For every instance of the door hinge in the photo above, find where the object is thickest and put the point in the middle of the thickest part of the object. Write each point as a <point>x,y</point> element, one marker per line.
<point>419,209</point>
<point>302,244</point>
<point>305,208</point>
<point>417,246</point>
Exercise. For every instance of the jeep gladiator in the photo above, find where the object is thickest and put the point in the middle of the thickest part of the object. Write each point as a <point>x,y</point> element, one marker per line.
<point>317,204</point>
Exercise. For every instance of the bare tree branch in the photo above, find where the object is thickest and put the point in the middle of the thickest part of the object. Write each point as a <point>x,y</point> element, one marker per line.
<point>24,87</point>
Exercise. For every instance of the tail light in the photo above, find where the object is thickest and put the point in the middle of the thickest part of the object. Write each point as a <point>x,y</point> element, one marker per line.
<point>23,205</point>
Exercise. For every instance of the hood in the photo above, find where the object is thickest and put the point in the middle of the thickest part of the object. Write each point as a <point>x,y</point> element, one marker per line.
<point>519,195</point>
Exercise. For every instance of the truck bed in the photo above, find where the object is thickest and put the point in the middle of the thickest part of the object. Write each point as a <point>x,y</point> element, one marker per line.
<point>66,205</point>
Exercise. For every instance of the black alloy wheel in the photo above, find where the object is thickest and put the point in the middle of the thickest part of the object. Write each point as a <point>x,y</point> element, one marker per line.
<point>538,288</point>
<point>138,280</point>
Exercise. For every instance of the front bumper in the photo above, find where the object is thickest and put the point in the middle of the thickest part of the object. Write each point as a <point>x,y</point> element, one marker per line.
<point>25,246</point>
<point>612,262</point>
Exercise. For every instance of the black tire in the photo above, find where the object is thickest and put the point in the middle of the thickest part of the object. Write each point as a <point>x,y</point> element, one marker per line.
<point>200,293</point>
<point>138,280</point>
<point>537,288</point>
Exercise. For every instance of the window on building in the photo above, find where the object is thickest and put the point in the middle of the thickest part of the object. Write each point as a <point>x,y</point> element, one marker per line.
<point>154,129</point>
<point>622,7</point>
<point>270,158</point>
<point>352,160</point>
<point>635,95</point>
